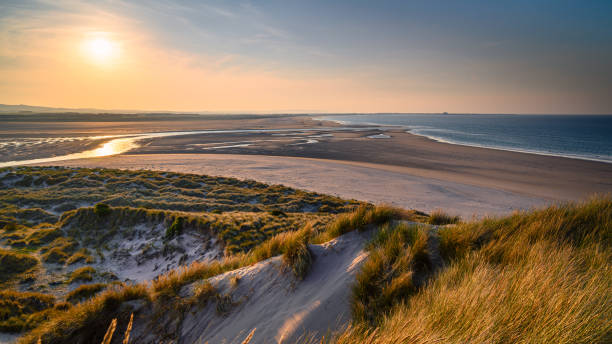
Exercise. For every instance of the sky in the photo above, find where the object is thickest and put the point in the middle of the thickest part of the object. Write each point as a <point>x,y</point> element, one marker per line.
<point>467,56</point>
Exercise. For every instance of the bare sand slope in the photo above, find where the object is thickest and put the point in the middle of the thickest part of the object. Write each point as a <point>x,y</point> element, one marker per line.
<point>375,183</point>
<point>269,299</point>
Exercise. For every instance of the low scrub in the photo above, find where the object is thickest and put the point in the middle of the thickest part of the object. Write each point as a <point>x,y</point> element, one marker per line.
<point>102,209</point>
<point>176,228</point>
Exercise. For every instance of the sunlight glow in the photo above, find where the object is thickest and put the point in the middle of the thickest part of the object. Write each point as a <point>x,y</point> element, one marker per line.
<point>100,49</point>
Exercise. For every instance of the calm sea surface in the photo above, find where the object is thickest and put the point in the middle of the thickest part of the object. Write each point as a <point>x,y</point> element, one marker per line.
<point>576,136</point>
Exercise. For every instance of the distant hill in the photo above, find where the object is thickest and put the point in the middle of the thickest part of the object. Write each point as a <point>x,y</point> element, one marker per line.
<point>14,109</point>
<point>29,109</point>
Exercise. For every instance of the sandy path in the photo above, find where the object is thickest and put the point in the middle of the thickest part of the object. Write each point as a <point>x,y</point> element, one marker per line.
<point>369,182</point>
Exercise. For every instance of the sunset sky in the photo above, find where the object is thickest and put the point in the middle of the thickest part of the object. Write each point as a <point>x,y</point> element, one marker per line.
<point>309,56</point>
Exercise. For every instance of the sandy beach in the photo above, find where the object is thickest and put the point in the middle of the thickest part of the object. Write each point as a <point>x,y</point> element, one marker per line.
<point>375,164</point>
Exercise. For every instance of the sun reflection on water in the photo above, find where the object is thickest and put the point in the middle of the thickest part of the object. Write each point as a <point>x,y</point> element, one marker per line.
<point>112,147</point>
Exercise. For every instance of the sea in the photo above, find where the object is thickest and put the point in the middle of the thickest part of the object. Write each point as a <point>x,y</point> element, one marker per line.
<point>587,137</point>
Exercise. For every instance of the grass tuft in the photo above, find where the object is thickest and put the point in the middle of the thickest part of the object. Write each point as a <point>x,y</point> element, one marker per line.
<point>297,256</point>
<point>84,274</point>
<point>360,219</point>
<point>13,263</point>
<point>176,228</point>
<point>84,292</point>
<point>102,209</point>
<point>439,218</point>
<point>87,322</point>
<point>388,276</point>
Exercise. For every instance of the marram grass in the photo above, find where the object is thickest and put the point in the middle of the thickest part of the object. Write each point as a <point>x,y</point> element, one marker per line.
<point>537,277</point>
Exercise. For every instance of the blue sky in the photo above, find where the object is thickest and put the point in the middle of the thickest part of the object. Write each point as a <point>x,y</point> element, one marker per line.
<point>411,56</point>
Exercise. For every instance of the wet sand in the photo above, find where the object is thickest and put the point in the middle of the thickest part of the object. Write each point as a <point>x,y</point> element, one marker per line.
<point>552,178</point>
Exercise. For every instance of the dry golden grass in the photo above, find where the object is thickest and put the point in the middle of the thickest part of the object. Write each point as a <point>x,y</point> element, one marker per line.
<point>388,276</point>
<point>74,325</point>
<point>87,322</point>
<point>359,219</point>
<point>537,277</point>
<point>13,263</point>
<point>439,217</point>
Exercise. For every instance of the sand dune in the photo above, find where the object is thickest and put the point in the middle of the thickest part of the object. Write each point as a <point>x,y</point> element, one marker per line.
<point>270,300</point>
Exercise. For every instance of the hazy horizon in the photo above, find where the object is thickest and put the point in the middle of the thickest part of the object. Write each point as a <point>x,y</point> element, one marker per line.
<point>523,57</point>
<point>38,109</point>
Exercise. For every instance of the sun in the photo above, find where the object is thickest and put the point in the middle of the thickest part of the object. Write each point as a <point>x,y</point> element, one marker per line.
<point>101,50</point>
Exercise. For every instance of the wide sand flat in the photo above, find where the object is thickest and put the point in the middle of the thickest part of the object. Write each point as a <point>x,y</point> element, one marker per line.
<point>402,169</point>
<point>369,182</point>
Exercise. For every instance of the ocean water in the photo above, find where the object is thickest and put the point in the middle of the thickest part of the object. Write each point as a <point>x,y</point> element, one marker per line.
<point>586,137</point>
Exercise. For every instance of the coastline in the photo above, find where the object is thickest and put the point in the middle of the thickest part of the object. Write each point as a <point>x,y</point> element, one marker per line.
<point>414,131</point>
<point>516,150</point>
<point>393,166</point>
<point>552,178</point>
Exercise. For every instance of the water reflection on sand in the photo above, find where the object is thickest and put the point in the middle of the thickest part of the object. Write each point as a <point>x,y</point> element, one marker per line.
<point>119,144</point>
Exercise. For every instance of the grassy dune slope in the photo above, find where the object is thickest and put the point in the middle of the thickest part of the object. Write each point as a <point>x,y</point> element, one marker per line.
<point>69,234</point>
<point>534,277</point>
<point>537,277</point>
<point>166,298</point>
